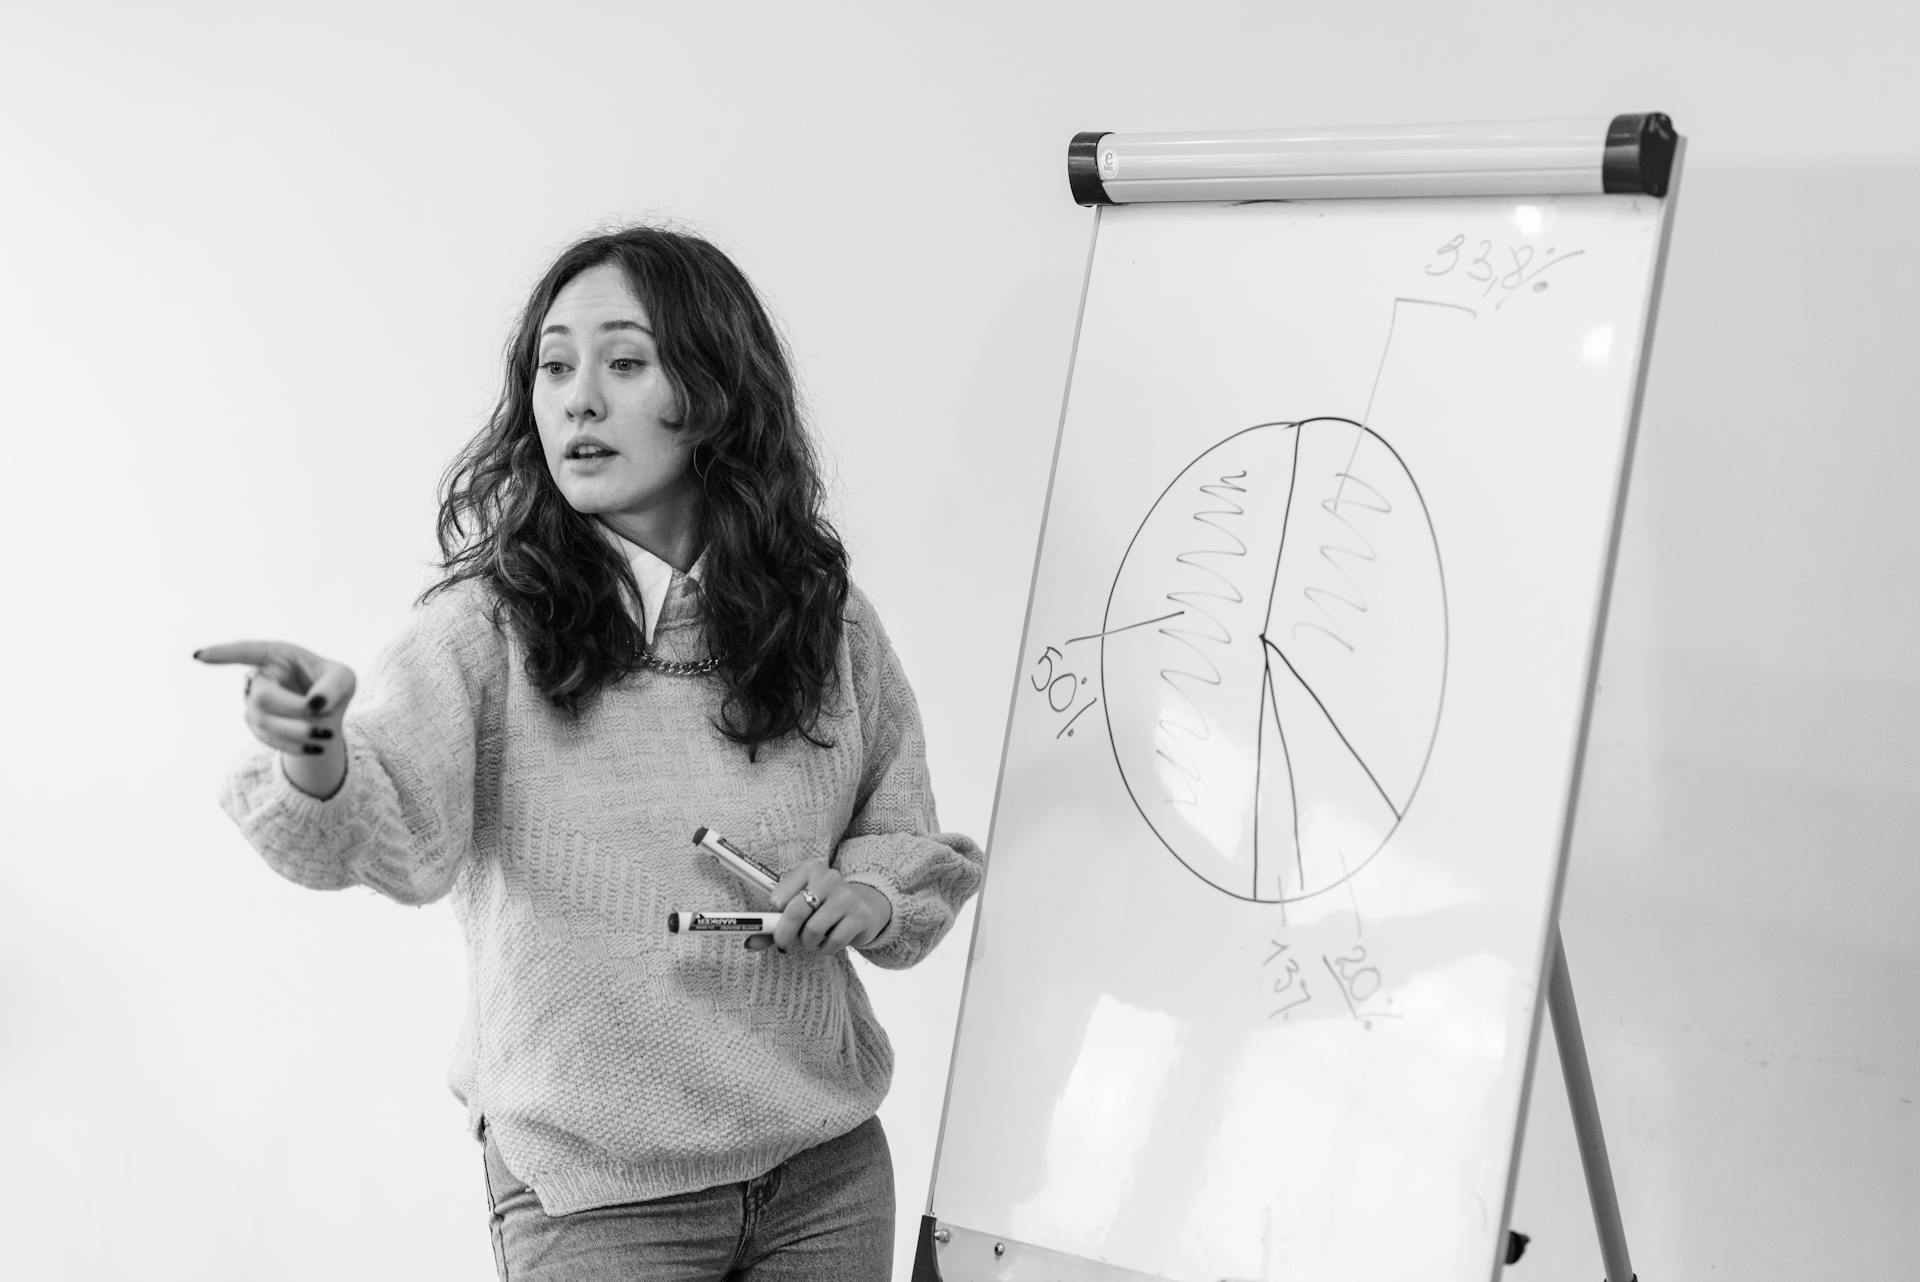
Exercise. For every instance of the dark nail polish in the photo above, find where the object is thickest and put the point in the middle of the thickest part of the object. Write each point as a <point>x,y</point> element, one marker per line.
<point>321,732</point>
<point>317,704</point>
<point>312,749</point>
<point>196,654</point>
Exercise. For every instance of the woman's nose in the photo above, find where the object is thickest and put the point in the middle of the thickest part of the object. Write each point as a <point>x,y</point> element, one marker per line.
<point>583,397</point>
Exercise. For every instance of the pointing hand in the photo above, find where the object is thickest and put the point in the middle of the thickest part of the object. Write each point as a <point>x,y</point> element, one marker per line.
<point>295,701</point>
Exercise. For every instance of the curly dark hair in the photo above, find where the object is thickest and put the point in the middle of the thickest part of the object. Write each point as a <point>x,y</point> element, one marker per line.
<point>774,576</point>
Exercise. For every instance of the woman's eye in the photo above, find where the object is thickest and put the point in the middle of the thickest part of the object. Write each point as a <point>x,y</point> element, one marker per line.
<point>626,364</point>
<point>553,369</point>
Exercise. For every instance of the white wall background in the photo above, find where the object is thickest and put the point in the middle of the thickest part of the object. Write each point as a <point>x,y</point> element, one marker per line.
<point>257,261</point>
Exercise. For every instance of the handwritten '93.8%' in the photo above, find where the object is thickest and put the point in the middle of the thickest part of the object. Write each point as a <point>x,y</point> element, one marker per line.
<point>1506,267</point>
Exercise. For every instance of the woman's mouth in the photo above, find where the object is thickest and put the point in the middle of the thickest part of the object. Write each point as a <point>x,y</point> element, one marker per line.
<point>586,451</point>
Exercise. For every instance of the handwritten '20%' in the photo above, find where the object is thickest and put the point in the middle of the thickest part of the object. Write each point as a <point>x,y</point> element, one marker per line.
<point>1355,980</point>
<point>1508,269</point>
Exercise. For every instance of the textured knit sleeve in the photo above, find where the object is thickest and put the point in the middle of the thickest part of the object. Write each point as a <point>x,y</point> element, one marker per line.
<point>402,822</point>
<point>893,843</point>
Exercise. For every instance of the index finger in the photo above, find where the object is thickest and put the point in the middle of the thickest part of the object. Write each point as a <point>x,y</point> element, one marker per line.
<point>256,653</point>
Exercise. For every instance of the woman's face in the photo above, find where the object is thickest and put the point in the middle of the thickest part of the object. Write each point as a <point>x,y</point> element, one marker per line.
<point>605,410</point>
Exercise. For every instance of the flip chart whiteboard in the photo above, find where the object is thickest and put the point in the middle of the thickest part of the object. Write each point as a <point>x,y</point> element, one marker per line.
<point>1257,968</point>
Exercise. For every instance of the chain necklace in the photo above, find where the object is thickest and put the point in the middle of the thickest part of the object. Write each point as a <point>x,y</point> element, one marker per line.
<point>678,668</point>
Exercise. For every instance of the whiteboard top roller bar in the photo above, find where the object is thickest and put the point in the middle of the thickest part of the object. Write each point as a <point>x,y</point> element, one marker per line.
<point>1630,154</point>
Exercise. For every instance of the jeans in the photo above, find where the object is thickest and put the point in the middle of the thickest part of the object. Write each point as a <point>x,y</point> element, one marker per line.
<point>824,1215</point>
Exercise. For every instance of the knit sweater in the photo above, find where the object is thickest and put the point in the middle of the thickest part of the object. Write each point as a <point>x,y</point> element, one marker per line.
<point>613,1061</point>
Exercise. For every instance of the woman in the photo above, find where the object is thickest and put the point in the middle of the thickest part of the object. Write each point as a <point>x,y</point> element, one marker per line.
<point>644,627</point>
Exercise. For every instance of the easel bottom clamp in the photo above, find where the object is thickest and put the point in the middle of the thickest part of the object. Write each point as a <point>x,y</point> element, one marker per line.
<point>983,1255</point>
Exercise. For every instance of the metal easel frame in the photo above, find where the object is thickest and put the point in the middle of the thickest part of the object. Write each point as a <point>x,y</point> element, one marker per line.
<point>1586,1115</point>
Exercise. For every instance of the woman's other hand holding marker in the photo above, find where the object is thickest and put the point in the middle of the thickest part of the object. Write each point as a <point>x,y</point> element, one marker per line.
<point>823,912</point>
<point>295,702</point>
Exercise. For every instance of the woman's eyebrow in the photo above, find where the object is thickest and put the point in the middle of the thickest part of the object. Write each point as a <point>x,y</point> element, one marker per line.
<point>605,327</point>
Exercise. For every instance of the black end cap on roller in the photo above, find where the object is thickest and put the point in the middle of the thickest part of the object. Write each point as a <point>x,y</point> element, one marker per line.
<point>1083,169</point>
<point>1639,156</point>
<point>1516,1246</point>
<point>926,1261</point>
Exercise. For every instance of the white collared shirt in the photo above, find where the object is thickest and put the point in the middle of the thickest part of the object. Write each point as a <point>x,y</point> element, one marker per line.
<point>653,575</point>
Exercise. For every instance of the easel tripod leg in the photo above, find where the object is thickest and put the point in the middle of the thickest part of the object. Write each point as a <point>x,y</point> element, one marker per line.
<point>1586,1117</point>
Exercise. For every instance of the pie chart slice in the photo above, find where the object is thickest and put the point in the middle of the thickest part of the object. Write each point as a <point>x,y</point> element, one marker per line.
<point>1340,815</point>
<point>1357,604</point>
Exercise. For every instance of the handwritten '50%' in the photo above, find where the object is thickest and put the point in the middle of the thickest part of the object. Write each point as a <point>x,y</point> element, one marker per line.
<point>1062,688</point>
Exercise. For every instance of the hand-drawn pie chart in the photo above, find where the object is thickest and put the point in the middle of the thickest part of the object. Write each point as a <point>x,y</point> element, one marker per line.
<point>1274,656</point>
